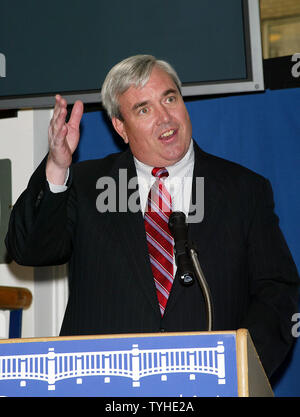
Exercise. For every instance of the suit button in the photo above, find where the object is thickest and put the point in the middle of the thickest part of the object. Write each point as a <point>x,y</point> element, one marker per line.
<point>39,198</point>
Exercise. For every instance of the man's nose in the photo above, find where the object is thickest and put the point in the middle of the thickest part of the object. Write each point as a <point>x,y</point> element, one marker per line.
<point>163,116</point>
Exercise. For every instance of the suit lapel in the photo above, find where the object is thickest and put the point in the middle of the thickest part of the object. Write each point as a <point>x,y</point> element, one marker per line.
<point>201,233</point>
<point>132,231</point>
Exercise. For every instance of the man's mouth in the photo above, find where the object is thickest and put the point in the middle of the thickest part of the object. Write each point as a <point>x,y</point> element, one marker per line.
<point>168,134</point>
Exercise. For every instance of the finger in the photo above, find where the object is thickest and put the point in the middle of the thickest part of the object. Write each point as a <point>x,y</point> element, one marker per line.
<point>60,100</point>
<point>60,122</point>
<point>57,105</point>
<point>57,140</point>
<point>76,114</point>
<point>60,103</point>
<point>61,134</point>
<point>58,126</point>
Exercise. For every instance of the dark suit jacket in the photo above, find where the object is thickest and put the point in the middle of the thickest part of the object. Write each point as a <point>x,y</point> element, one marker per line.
<point>244,257</point>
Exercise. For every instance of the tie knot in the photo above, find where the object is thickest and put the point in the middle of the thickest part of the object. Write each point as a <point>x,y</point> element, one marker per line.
<point>160,172</point>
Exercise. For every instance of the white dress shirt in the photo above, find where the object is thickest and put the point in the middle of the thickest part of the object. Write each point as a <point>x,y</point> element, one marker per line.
<point>178,183</point>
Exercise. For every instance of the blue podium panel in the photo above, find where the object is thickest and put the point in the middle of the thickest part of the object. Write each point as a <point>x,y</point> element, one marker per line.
<point>123,366</point>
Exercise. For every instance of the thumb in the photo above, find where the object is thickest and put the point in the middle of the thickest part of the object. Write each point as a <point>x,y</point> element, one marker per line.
<point>76,115</point>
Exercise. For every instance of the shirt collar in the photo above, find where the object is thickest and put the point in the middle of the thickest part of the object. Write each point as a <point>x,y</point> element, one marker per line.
<point>179,169</point>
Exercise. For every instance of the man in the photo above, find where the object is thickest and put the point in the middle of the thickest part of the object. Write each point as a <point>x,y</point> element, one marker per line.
<point>113,286</point>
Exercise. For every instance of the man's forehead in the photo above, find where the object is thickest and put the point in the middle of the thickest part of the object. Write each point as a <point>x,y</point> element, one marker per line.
<point>159,84</point>
<point>145,102</point>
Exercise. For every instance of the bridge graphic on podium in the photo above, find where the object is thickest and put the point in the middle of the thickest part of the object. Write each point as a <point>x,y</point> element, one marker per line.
<point>135,364</point>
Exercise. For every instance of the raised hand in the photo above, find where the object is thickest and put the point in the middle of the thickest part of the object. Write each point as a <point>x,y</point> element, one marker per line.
<point>63,139</point>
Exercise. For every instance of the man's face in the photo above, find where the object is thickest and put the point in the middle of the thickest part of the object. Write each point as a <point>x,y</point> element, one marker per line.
<point>155,122</point>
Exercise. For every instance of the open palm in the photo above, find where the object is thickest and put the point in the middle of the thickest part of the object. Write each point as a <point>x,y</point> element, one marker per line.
<point>63,139</point>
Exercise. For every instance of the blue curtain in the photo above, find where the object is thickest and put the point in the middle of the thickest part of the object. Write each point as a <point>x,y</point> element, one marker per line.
<point>260,131</point>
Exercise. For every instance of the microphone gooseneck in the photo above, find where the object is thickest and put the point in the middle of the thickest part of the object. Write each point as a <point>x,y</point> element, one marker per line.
<point>178,228</point>
<point>187,261</point>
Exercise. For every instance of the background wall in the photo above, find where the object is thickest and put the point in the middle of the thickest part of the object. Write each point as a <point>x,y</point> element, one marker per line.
<point>17,134</point>
<point>24,140</point>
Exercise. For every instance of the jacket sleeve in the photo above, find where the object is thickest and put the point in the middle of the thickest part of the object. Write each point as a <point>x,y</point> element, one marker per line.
<point>273,283</point>
<point>41,223</point>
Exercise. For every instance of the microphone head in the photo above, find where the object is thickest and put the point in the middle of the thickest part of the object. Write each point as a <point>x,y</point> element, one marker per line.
<point>177,218</point>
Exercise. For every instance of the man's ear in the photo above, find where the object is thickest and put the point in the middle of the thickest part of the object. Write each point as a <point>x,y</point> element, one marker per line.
<point>120,128</point>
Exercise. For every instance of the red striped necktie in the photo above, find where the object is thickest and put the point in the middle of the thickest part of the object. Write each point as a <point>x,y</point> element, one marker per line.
<point>159,239</point>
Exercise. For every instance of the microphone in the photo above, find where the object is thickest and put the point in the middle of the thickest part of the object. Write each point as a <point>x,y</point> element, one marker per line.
<point>187,261</point>
<point>178,228</point>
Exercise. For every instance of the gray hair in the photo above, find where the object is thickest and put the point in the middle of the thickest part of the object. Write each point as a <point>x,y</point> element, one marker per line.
<point>136,71</point>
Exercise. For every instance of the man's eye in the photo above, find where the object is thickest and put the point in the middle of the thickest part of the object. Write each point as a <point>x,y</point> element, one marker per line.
<point>171,99</point>
<point>144,110</point>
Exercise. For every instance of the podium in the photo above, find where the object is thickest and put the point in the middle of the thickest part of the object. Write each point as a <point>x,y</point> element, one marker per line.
<point>202,364</point>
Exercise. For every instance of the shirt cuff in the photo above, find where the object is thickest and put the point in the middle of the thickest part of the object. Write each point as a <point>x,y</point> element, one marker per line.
<point>59,188</point>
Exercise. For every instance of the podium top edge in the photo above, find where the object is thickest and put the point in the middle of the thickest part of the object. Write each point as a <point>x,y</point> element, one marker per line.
<point>116,336</point>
